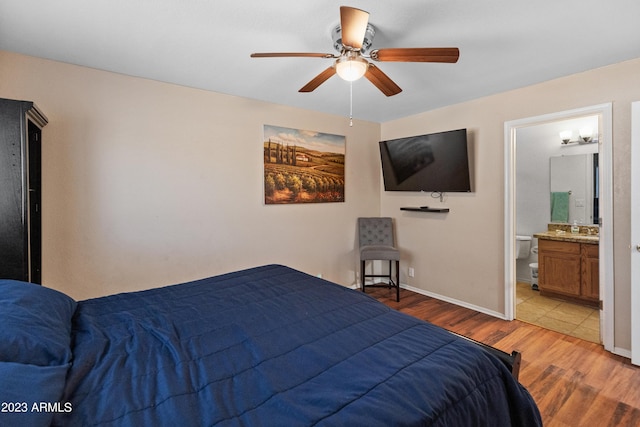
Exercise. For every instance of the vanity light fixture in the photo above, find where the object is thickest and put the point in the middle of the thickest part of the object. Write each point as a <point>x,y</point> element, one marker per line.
<point>585,136</point>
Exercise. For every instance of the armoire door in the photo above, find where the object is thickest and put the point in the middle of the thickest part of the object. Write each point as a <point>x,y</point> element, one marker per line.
<point>35,202</point>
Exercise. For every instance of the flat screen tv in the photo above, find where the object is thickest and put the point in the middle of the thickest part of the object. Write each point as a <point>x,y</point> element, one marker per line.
<point>436,162</point>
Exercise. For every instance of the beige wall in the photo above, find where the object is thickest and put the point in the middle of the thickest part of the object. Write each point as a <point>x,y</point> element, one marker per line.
<point>147,183</point>
<point>460,255</point>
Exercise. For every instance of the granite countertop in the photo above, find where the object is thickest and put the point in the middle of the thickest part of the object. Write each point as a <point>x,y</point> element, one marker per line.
<point>564,236</point>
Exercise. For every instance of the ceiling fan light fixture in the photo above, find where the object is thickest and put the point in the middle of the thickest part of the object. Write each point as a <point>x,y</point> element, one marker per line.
<point>351,68</point>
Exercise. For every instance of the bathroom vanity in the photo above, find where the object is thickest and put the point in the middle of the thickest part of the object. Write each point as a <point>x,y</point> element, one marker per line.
<point>568,265</point>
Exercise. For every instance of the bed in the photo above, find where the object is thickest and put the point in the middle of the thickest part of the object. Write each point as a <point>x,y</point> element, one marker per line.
<point>268,345</point>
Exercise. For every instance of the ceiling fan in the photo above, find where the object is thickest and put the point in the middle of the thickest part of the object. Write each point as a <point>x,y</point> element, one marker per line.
<point>352,38</point>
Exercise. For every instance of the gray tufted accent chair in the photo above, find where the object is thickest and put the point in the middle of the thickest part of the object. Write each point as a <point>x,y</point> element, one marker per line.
<point>377,242</point>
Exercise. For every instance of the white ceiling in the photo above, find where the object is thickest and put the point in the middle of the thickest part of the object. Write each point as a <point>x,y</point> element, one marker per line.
<point>504,44</point>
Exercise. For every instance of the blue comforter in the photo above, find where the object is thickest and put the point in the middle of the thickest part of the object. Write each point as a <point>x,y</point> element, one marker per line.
<point>274,346</point>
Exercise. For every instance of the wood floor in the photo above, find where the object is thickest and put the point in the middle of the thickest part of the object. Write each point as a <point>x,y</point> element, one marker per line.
<point>574,382</point>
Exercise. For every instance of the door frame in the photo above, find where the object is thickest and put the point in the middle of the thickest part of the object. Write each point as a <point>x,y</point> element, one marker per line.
<point>635,233</point>
<point>605,157</point>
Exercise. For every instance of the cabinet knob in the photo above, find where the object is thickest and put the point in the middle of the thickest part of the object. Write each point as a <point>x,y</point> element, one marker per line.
<point>638,248</point>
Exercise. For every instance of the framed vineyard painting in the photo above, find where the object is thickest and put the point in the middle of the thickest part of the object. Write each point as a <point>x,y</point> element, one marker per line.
<point>302,166</point>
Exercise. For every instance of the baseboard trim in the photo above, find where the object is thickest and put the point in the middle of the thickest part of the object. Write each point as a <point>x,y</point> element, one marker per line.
<point>455,301</point>
<point>622,352</point>
<point>445,299</point>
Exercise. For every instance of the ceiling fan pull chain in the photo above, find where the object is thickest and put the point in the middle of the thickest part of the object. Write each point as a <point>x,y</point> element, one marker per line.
<point>350,104</point>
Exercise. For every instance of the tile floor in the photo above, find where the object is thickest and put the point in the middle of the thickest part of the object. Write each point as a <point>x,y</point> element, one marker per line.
<point>560,316</point>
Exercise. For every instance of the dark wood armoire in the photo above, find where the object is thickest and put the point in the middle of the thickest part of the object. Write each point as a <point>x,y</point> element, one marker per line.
<point>21,124</point>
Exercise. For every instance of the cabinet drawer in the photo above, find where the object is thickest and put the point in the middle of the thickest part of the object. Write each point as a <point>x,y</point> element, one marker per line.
<point>556,246</point>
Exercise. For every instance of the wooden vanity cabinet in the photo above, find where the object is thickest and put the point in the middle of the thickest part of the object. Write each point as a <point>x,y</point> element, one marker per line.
<point>559,267</point>
<point>590,271</point>
<point>569,270</point>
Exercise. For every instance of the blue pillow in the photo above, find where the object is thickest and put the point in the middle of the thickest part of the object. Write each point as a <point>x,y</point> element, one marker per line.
<point>35,324</point>
<point>24,386</point>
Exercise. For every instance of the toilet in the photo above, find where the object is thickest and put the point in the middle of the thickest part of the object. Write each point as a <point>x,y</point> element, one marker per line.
<point>534,270</point>
<point>523,249</point>
<point>523,246</point>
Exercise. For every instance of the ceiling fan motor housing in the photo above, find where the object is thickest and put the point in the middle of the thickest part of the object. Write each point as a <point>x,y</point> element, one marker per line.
<point>336,36</point>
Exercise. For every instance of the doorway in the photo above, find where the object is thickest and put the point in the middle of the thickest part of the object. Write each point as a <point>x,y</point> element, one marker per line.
<point>516,131</point>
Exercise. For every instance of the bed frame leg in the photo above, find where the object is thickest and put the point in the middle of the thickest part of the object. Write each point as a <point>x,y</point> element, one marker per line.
<point>515,365</point>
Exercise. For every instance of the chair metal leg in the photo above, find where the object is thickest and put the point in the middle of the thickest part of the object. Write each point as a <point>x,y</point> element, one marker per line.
<point>389,276</point>
<point>397,281</point>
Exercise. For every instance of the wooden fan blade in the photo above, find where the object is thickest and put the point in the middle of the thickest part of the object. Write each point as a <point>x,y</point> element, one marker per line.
<point>417,54</point>
<point>353,24</point>
<point>382,81</point>
<point>318,80</point>
<point>292,54</point>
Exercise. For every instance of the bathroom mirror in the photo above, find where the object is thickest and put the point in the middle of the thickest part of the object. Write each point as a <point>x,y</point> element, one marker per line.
<point>574,188</point>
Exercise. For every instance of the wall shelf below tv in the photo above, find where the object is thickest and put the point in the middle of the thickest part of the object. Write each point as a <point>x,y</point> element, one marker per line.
<point>425,209</point>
